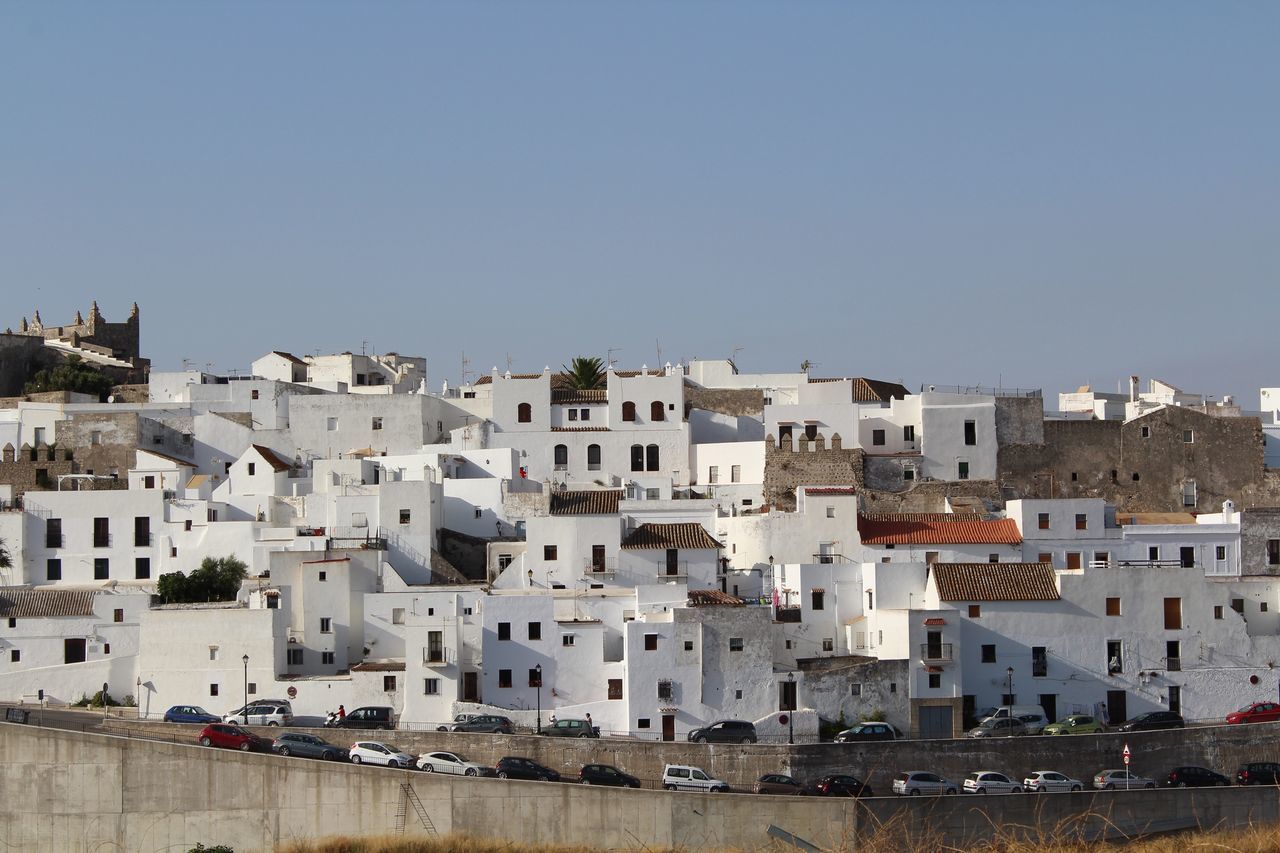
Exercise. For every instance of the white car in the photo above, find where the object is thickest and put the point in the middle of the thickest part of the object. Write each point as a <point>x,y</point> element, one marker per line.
<point>372,752</point>
<point>1041,781</point>
<point>915,782</point>
<point>1127,780</point>
<point>685,777</point>
<point>451,762</point>
<point>990,782</point>
<point>262,713</point>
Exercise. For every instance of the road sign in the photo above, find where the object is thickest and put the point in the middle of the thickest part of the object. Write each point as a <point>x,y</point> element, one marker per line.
<point>782,719</point>
<point>1126,755</point>
<point>293,692</point>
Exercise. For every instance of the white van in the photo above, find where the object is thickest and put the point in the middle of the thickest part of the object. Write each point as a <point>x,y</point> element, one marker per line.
<point>683,777</point>
<point>1032,716</point>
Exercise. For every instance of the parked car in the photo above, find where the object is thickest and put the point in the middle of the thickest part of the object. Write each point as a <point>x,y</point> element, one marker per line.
<point>1195,777</point>
<point>451,762</point>
<point>309,746</point>
<point>190,714</point>
<point>998,727</point>
<point>778,783</point>
<point>571,728</point>
<point>868,731</point>
<point>368,717</point>
<point>915,782</point>
<point>1258,712</point>
<point>725,731</point>
<point>605,774</point>
<point>1032,716</point>
<point>685,777</point>
<point>1044,781</point>
<point>261,713</point>
<point>372,752</point>
<point>513,767</point>
<point>1153,720</point>
<point>990,782</point>
<point>231,736</point>
<point>1107,780</point>
<point>838,785</point>
<point>1075,724</point>
<point>491,723</point>
<point>457,720</point>
<point>1258,773</point>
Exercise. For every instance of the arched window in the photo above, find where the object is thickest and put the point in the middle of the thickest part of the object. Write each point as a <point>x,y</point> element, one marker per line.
<point>628,411</point>
<point>593,457</point>
<point>651,458</point>
<point>524,413</point>
<point>562,457</point>
<point>657,411</point>
<point>637,457</point>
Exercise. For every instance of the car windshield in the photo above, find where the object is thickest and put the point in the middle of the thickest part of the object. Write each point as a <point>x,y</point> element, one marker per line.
<point>197,710</point>
<point>392,748</point>
<point>1246,709</point>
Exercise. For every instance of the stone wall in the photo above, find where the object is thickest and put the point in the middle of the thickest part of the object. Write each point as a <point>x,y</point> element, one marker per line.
<point>1257,525</point>
<point>1019,420</point>
<point>828,685</point>
<point>20,356</point>
<point>810,463</point>
<point>735,402</point>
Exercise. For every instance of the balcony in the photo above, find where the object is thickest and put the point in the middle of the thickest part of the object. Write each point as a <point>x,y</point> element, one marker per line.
<point>142,540</point>
<point>936,652</point>
<point>672,570</point>
<point>102,540</point>
<point>592,569</point>
<point>828,559</point>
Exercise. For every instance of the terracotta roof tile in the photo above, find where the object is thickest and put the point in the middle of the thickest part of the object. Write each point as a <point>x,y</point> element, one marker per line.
<point>713,598</point>
<point>19,602</point>
<point>579,429</point>
<point>379,666</point>
<point>877,391</point>
<point>277,462</point>
<point>932,531</point>
<point>995,582</point>
<point>288,355</point>
<point>830,490</point>
<point>687,535</point>
<point>586,502</point>
<point>574,395</point>
<point>923,516</point>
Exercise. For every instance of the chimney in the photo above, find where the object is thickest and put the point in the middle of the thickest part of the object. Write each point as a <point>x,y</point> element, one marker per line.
<point>1133,389</point>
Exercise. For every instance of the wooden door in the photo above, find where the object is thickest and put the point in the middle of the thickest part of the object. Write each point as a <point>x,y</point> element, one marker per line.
<point>668,726</point>
<point>470,687</point>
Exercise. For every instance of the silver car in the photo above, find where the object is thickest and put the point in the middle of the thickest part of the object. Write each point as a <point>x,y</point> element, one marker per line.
<point>1127,780</point>
<point>999,727</point>
<point>1042,781</point>
<point>990,782</point>
<point>915,782</point>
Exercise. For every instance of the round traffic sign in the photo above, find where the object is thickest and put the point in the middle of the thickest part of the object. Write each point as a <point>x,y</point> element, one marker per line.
<point>293,692</point>
<point>782,719</point>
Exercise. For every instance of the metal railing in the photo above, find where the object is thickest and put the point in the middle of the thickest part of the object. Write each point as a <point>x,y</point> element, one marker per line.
<point>935,651</point>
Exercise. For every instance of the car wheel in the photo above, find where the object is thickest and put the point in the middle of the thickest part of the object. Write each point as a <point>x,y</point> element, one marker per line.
<point>246,746</point>
<point>428,768</point>
<point>584,735</point>
<point>355,759</point>
<point>284,750</point>
<point>1182,784</point>
<point>668,787</point>
<point>586,781</point>
<point>1152,785</point>
<point>1108,787</point>
<point>496,732</point>
<point>204,741</point>
<point>502,774</point>
<point>273,723</point>
<point>746,740</point>
<point>1015,790</point>
<point>385,728</point>
<point>700,739</point>
<point>1075,787</point>
<point>981,791</point>
<point>914,792</point>
<point>328,756</point>
<point>951,790</point>
<point>867,792</point>
<point>442,728</point>
<point>470,771</point>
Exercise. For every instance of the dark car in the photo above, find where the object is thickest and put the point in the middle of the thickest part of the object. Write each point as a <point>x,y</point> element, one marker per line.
<point>309,746</point>
<point>725,731</point>
<point>868,731</point>
<point>1153,720</point>
<point>491,723</point>
<point>190,714</point>
<point>512,767</point>
<point>1195,777</point>
<point>778,783</point>
<point>1258,773</point>
<point>840,786</point>
<point>231,736</point>
<point>604,774</point>
<point>370,717</point>
<point>571,728</point>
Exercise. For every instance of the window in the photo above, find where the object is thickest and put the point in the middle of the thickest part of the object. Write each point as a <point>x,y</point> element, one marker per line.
<point>141,568</point>
<point>1039,662</point>
<point>1189,493</point>
<point>615,688</point>
<point>713,474</point>
<point>877,437</point>
<point>397,616</point>
<point>106,648</point>
<point>1146,432</point>
<point>95,438</point>
<point>535,676</point>
<point>893,687</point>
<point>816,599</point>
<point>53,533</point>
<point>213,690</point>
<point>1136,477</point>
<point>871,599</point>
<point>573,414</point>
<point>389,683</point>
<point>1217,611</point>
<point>435,647</point>
<point>1220,552</point>
<point>975,611</point>
<point>652,494</point>
<point>431,686</point>
<point>504,630</point>
<point>1113,606</point>
<point>971,433</point>
<point>650,642</point>
<point>855,689</point>
<point>651,458</point>
<point>1172,614</point>
<point>1173,655</point>
<point>664,689</point>
<point>637,457</point>
<point>253,395</point>
<point>567,639</point>
<point>784,432</point>
<point>294,657</point>
<point>735,473</point>
<point>253,469</point>
<point>586,414</point>
<point>831,512</point>
<point>1237,604</point>
<point>1042,521</point>
<point>909,432</point>
<point>101,568</point>
<point>549,552</point>
<point>1082,521</point>
<point>117,615</point>
<point>213,653</point>
<point>327,658</point>
<point>629,411</point>
<point>593,457</point>
<point>962,469</point>
<point>1262,607</point>
<point>331,424</point>
<point>935,681</point>
<point>828,644</point>
<point>524,413</point>
<point>1188,436</point>
<point>1102,558</point>
<point>688,645</point>
<point>326,625</point>
<point>993,558</point>
<point>1273,552</point>
<point>535,630</point>
<point>53,570</point>
<point>989,653</point>
<point>504,678</point>
<point>642,723</point>
<point>657,411</point>
<point>102,533</point>
<point>186,525</point>
<point>148,482</point>
<point>735,644</point>
<point>1115,657</point>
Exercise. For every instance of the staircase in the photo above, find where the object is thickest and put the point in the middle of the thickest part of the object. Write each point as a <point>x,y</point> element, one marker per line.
<point>408,796</point>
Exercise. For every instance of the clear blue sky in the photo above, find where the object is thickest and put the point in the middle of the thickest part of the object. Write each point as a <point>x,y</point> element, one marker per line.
<point>1045,194</point>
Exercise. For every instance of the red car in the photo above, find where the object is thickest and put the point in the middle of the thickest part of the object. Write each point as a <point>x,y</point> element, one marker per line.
<point>231,736</point>
<point>1258,712</point>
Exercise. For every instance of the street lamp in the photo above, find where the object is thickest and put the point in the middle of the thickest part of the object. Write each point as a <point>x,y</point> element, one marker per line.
<point>791,718</point>
<point>538,670</point>
<point>1009,675</point>
<point>246,689</point>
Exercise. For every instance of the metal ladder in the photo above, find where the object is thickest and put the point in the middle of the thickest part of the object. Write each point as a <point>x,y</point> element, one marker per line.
<point>409,796</point>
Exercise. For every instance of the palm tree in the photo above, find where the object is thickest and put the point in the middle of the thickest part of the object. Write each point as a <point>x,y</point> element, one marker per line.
<point>5,561</point>
<point>585,374</point>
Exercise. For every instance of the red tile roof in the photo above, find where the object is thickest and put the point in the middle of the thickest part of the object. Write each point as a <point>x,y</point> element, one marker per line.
<point>288,355</point>
<point>713,598</point>
<point>586,502</point>
<point>830,490</point>
<point>687,535</point>
<point>995,582</point>
<point>934,531</point>
<point>277,462</point>
<point>575,395</point>
<point>579,429</point>
<point>20,602</point>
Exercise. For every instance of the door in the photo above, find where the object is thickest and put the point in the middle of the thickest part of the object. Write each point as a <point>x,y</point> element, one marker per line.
<point>935,722</point>
<point>470,687</point>
<point>826,552</point>
<point>668,726</point>
<point>933,645</point>
<point>1117,707</point>
<point>1187,554</point>
<point>1049,701</point>
<point>673,561</point>
<point>73,650</point>
<point>1175,699</point>
<point>597,558</point>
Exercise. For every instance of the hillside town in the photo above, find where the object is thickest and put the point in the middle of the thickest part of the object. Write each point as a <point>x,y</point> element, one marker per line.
<point>655,547</point>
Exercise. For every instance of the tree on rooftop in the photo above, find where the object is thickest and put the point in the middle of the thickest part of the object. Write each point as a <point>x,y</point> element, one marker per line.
<point>585,374</point>
<point>217,579</point>
<point>74,374</point>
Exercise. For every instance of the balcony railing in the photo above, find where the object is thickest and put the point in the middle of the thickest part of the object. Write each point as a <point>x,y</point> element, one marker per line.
<point>599,570</point>
<point>827,559</point>
<point>142,540</point>
<point>935,652</point>
<point>53,540</point>
<point>101,540</point>
<point>673,569</point>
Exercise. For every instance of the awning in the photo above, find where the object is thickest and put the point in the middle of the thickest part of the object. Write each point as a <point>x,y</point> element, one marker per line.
<point>935,621</point>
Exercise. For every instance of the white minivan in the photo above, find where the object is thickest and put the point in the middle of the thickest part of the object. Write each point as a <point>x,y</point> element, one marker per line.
<point>1032,716</point>
<point>683,777</point>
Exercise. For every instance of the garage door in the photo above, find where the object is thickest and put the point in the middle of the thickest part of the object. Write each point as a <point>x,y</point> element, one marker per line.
<point>935,722</point>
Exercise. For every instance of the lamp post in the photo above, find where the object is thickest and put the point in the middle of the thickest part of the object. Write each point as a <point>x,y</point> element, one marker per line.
<point>791,718</point>
<point>246,689</point>
<point>1009,676</point>
<point>538,670</point>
